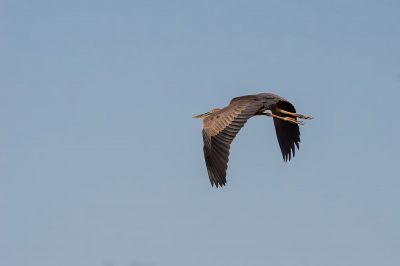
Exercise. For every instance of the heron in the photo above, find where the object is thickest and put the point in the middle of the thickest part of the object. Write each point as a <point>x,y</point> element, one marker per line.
<point>220,126</point>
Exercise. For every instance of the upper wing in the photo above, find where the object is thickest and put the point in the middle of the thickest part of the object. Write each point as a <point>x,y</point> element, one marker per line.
<point>219,130</point>
<point>288,134</point>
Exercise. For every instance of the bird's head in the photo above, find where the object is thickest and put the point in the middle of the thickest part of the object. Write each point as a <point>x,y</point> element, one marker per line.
<point>208,113</point>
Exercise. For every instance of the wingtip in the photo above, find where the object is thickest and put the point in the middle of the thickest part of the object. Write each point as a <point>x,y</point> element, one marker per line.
<point>218,184</point>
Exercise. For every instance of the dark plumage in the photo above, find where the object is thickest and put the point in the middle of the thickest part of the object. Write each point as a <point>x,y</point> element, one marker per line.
<point>220,127</point>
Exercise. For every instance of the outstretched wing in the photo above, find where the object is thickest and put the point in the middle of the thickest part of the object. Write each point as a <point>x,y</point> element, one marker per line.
<point>219,130</point>
<point>288,134</point>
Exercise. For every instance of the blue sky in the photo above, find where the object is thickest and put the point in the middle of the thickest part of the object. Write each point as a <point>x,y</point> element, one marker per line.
<point>102,164</point>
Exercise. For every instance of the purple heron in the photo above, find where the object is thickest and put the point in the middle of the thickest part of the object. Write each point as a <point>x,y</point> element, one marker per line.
<point>220,127</point>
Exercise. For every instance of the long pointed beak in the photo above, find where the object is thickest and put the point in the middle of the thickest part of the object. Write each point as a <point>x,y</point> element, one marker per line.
<point>201,116</point>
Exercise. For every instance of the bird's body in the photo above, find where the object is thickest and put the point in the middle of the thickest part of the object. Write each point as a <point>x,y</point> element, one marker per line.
<point>220,126</point>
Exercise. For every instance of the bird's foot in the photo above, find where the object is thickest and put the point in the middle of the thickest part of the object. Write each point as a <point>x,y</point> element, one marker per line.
<point>293,120</point>
<point>304,117</point>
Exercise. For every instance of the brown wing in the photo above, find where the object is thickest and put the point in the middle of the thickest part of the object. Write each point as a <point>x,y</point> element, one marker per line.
<point>219,130</point>
<point>288,134</point>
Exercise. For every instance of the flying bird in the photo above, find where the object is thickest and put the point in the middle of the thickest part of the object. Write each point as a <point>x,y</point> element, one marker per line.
<point>220,127</point>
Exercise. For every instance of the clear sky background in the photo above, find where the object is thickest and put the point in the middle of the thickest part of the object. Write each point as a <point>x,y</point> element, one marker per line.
<point>101,163</point>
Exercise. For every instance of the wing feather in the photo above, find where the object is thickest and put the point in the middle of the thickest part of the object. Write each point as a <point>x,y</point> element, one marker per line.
<point>219,130</point>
